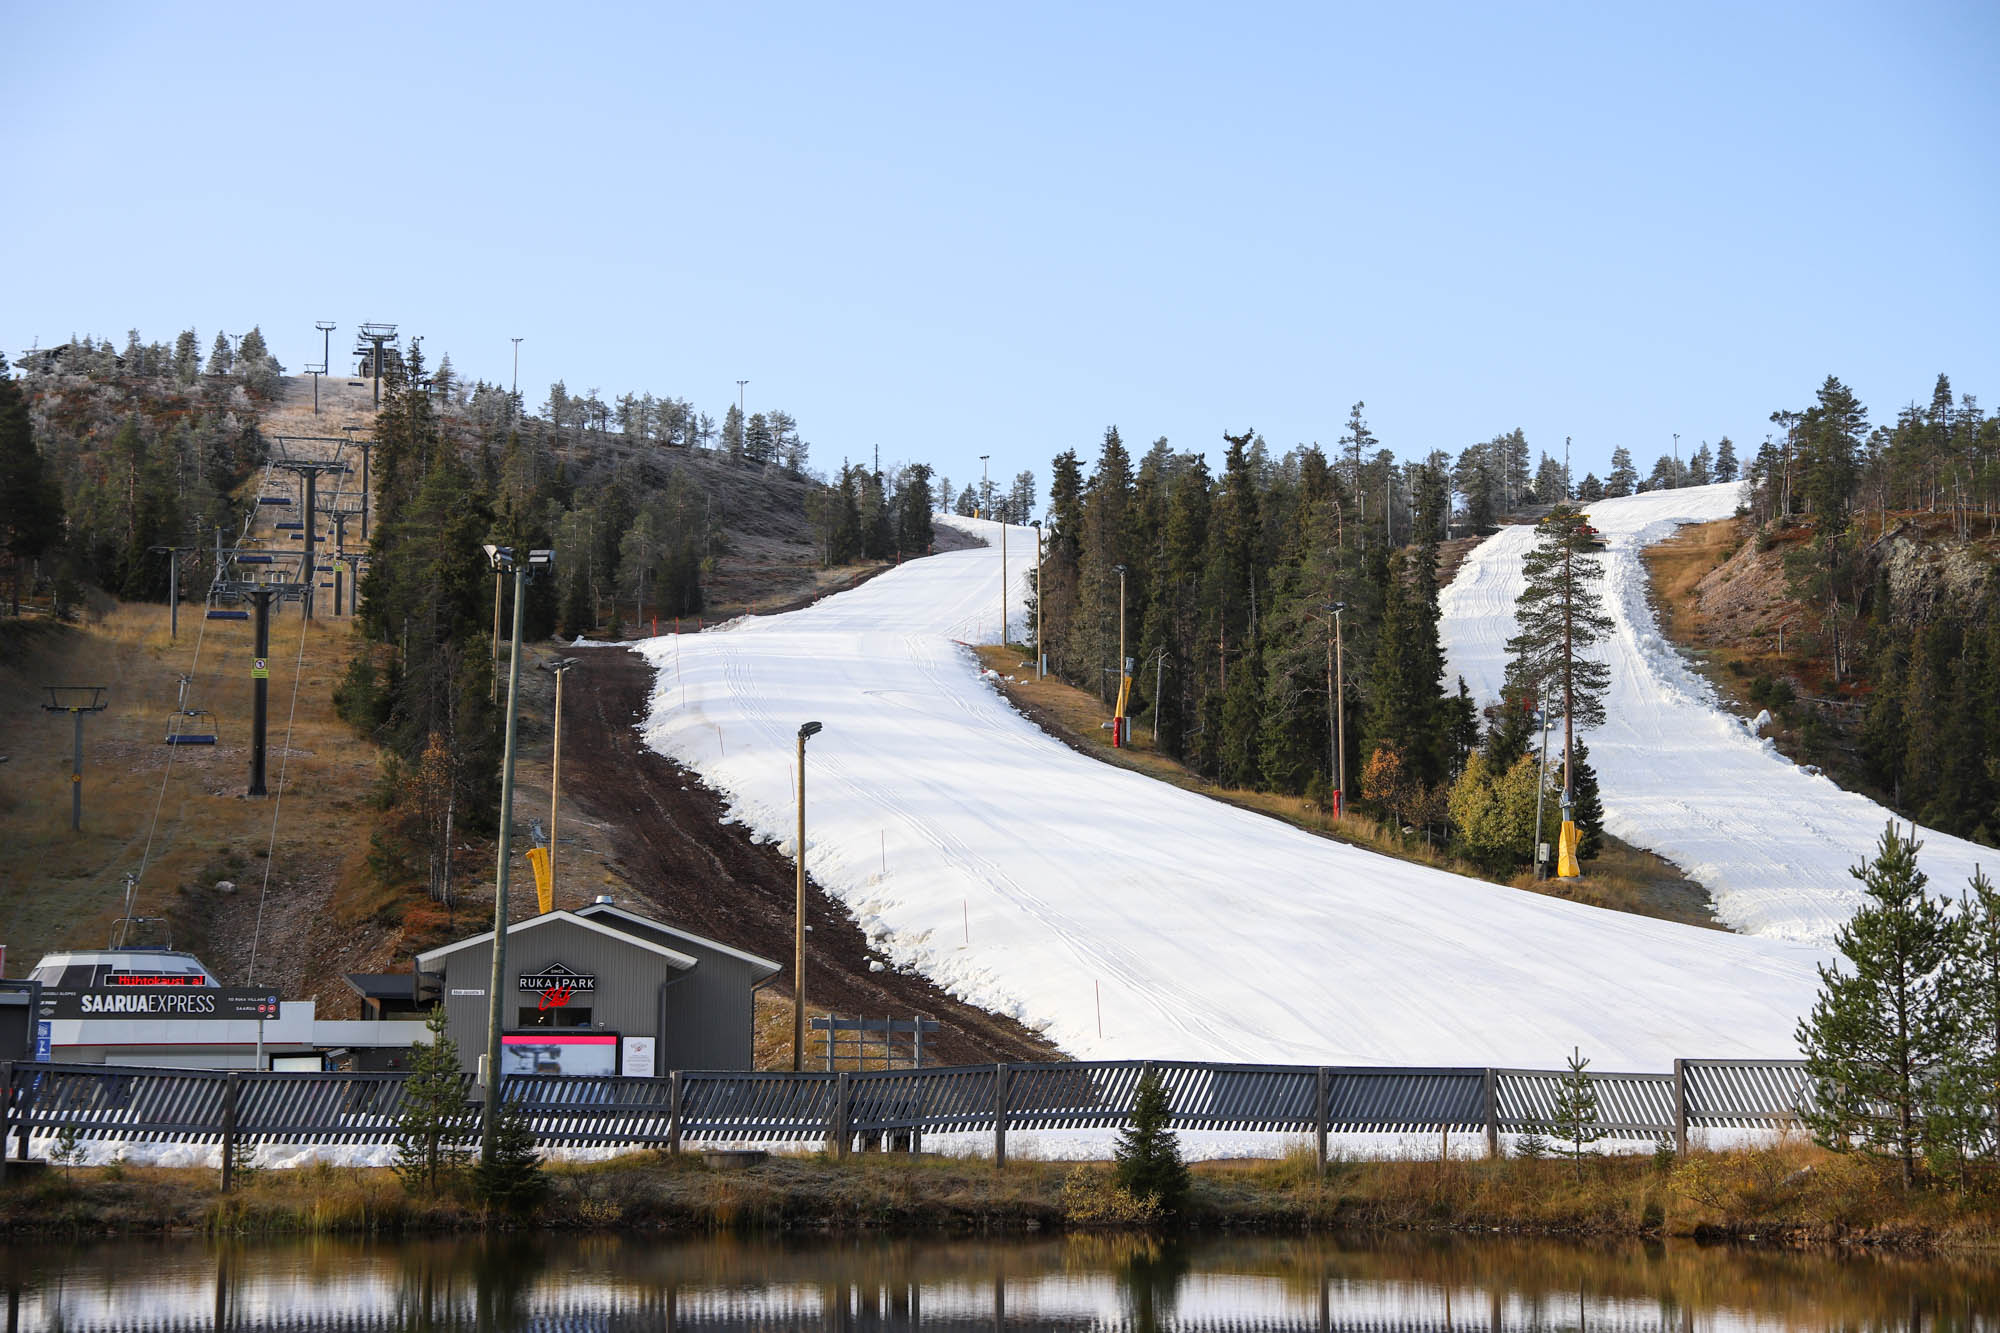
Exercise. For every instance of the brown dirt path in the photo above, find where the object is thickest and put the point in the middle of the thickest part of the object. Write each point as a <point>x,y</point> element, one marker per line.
<point>668,841</point>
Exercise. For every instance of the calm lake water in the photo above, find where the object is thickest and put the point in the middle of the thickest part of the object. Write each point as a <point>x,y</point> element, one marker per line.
<point>1077,1282</point>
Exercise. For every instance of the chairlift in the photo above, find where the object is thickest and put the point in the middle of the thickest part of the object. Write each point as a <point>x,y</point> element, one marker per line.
<point>284,500</point>
<point>191,726</point>
<point>289,526</point>
<point>225,613</point>
<point>253,559</point>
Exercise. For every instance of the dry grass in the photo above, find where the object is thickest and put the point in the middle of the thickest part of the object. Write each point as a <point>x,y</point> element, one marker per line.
<point>1787,1193</point>
<point>1624,878</point>
<point>69,887</point>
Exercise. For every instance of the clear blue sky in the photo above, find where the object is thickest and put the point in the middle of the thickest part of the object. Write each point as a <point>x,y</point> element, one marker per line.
<point>962,229</point>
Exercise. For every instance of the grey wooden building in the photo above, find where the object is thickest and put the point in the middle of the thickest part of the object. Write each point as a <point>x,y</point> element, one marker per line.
<point>601,990</point>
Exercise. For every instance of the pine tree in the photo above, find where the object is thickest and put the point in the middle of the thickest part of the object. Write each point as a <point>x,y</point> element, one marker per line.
<point>1576,1111</point>
<point>221,359</point>
<point>1700,468</point>
<point>913,511</point>
<point>1882,1027</point>
<point>435,1128</point>
<point>1561,617</point>
<point>1964,1125</point>
<point>1148,1156</point>
<point>1590,488</point>
<point>1624,479</point>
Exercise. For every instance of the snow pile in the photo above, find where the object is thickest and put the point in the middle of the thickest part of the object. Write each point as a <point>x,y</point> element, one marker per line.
<point>1772,842</point>
<point>1127,918</point>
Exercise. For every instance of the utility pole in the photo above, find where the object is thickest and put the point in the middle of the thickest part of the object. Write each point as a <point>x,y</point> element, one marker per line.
<point>806,730</point>
<point>77,701</point>
<point>1041,653</point>
<point>1118,715</point>
<point>560,667</point>
<point>1337,705</point>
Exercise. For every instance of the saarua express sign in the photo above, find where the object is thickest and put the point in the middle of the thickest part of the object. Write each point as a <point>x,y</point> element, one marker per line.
<point>159,1002</point>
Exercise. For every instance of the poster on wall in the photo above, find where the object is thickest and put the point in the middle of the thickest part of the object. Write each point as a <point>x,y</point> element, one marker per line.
<point>555,1051</point>
<point>638,1061</point>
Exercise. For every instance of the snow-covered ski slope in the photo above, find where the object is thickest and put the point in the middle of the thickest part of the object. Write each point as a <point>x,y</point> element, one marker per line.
<point>1770,841</point>
<point>1038,882</point>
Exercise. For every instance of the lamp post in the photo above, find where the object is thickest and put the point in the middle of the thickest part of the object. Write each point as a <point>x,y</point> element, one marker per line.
<point>1041,654</point>
<point>558,668</point>
<point>1337,705</point>
<point>1118,714</point>
<point>799,915</point>
<point>742,421</point>
<point>516,389</point>
<point>1542,776</point>
<point>502,559</point>
<point>493,690</point>
<point>984,487</point>
<point>1677,460</point>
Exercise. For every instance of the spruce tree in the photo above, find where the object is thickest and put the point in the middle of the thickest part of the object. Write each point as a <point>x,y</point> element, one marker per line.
<point>1725,459</point>
<point>1586,805</point>
<point>1576,1111</point>
<point>1148,1156</point>
<point>221,359</point>
<point>435,1128</point>
<point>1624,478</point>
<point>1882,1026</point>
<point>509,1179</point>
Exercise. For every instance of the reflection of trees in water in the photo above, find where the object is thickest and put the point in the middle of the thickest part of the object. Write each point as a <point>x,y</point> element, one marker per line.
<point>1150,1279</point>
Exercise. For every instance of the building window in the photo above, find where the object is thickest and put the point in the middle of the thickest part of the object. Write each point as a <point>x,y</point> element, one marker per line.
<point>568,1016</point>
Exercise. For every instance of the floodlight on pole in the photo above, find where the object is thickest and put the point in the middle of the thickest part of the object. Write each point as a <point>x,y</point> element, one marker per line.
<point>558,669</point>
<point>516,390</point>
<point>1124,667</point>
<point>1041,654</point>
<point>538,562</point>
<point>1337,705</point>
<point>985,488</point>
<point>806,731</point>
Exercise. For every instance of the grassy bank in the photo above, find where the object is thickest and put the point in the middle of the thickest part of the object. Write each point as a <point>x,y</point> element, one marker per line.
<point>1624,878</point>
<point>1789,1194</point>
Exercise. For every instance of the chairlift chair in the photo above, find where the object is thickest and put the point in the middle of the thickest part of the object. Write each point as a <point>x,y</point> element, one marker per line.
<point>282,500</point>
<point>191,726</point>
<point>289,527</point>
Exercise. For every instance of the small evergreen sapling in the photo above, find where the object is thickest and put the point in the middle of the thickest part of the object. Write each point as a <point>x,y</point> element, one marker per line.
<point>511,1179</point>
<point>1149,1156</point>
<point>435,1128</point>
<point>1576,1110</point>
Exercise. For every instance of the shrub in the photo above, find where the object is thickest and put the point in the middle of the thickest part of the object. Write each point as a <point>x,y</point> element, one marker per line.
<point>1089,1198</point>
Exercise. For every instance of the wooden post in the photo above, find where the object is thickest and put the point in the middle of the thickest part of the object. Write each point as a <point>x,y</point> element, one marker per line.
<point>6,1111</point>
<point>231,1082</point>
<point>999,1116</point>
<point>1321,1080</point>
<point>841,1134</point>
<point>1680,1107</point>
<point>1490,1094</point>
<point>674,1111</point>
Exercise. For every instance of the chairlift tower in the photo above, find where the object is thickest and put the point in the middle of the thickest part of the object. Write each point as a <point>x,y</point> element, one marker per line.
<point>379,336</point>
<point>326,328</point>
<point>174,554</point>
<point>76,700</point>
<point>340,515</point>
<point>309,472</point>
<point>260,596</point>
<point>315,369</point>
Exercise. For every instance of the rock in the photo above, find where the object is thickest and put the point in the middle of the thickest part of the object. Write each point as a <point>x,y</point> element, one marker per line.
<point>225,886</point>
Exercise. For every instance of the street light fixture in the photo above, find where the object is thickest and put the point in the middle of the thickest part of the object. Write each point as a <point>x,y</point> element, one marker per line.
<point>1041,653</point>
<point>1337,705</point>
<point>537,562</point>
<point>558,669</point>
<point>799,914</point>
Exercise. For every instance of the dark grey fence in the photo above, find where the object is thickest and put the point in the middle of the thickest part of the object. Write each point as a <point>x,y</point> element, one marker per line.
<point>841,1109</point>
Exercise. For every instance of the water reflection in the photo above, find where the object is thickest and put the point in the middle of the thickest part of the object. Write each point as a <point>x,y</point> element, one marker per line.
<point>1070,1283</point>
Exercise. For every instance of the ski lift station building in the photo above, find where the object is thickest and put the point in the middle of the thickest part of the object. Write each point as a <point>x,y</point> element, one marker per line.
<point>162,1009</point>
<point>602,991</point>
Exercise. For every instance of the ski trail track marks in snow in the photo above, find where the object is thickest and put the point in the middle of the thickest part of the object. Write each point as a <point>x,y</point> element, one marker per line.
<point>1030,879</point>
<point>1770,841</point>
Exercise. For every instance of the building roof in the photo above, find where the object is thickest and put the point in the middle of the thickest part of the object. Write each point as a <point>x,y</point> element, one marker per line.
<point>675,958</point>
<point>384,985</point>
<point>761,967</point>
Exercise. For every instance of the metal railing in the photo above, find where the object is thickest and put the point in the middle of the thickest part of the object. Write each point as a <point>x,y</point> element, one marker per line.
<point>96,1102</point>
